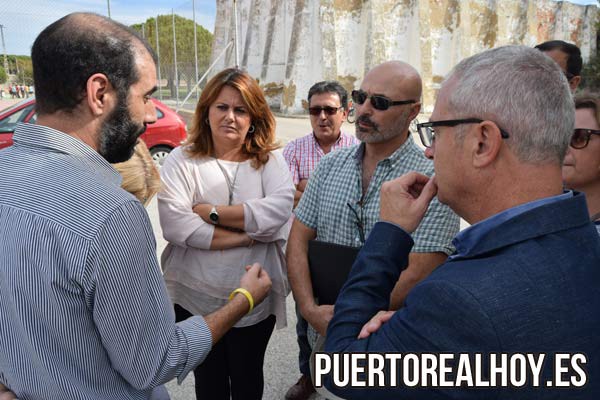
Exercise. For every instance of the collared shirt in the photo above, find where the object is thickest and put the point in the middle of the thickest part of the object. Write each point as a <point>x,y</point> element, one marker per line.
<point>84,312</point>
<point>337,182</point>
<point>303,154</point>
<point>469,237</point>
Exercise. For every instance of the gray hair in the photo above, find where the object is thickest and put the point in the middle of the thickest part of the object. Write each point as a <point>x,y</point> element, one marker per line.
<point>523,92</point>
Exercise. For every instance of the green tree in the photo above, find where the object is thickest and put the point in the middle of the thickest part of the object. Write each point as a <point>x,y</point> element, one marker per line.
<point>184,31</point>
<point>3,75</point>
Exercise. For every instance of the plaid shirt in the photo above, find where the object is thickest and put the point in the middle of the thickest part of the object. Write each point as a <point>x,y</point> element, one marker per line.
<point>303,154</point>
<point>337,181</point>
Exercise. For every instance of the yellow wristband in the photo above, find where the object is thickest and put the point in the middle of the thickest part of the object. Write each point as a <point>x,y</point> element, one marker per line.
<point>245,293</point>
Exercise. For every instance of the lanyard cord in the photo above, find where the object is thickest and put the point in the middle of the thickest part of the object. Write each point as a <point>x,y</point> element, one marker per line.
<point>230,185</point>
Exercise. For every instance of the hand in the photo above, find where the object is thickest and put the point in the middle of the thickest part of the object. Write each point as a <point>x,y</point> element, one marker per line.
<point>404,200</point>
<point>203,210</point>
<point>6,394</point>
<point>257,281</point>
<point>375,323</point>
<point>319,318</point>
<point>301,185</point>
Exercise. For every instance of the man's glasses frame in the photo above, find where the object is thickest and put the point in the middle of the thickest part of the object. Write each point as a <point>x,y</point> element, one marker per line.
<point>328,110</point>
<point>378,102</point>
<point>582,136</point>
<point>427,133</point>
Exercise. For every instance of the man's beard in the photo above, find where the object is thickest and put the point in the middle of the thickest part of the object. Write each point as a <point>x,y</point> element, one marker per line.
<point>119,134</point>
<point>378,135</point>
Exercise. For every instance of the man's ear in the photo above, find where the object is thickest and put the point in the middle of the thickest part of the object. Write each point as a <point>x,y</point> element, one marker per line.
<point>99,93</point>
<point>574,82</point>
<point>414,111</point>
<point>487,142</point>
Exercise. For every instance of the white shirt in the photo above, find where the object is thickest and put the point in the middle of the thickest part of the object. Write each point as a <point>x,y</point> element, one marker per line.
<point>199,279</point>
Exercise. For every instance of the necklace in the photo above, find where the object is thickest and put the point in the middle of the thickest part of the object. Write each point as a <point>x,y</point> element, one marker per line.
<point>230,185</point>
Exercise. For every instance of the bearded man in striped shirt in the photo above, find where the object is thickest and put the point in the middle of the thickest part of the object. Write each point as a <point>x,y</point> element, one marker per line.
<point>85,313</point>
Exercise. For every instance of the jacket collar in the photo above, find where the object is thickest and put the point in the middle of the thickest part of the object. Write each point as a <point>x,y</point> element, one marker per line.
<point>539,221</point>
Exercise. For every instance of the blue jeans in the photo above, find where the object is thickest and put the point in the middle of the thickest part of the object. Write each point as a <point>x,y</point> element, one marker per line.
<point>304,346</point>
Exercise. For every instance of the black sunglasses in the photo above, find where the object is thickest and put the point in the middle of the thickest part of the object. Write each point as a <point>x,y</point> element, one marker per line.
<point>328,110</point>
<point>581,137</point>
<point>378,102</point>
<point>427,133</point>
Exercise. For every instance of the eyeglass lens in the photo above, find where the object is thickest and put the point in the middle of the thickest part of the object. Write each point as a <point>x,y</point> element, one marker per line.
<point>328,110</point>
<point>378,102</point>
<point>579,138</point>
<point>427,134</point>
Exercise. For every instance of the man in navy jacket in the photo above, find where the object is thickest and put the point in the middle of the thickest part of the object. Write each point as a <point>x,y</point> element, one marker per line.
<point>524,282</point>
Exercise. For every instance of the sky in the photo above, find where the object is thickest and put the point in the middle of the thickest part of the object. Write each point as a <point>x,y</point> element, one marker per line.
<point>23,20</point>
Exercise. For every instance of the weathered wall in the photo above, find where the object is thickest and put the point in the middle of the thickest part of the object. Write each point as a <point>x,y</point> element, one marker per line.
<point>290,44</point>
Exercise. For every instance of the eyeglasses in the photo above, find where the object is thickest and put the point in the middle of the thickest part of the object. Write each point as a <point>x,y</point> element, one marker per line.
<point>427,133</point>
<point>328,110</point>
<point>581,137</point>
<point>359,221</point>
<point>378,102</point>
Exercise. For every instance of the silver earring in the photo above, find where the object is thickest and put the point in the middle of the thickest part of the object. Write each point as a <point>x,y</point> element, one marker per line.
<point>252,129</point>
<point>206,121</point>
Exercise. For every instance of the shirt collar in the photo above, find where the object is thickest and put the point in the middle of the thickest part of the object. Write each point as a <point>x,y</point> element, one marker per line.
<point>393,158</point>
<point>43,137</point>
<point>467,239</point>
<point>335,144</point>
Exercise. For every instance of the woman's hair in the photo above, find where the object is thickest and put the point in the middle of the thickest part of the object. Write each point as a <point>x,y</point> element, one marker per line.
<point>589,100</point>
<point>258,143</point>
<point>140,175</point>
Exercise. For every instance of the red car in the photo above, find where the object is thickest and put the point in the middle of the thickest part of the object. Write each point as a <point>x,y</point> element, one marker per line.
<point>161,137</point>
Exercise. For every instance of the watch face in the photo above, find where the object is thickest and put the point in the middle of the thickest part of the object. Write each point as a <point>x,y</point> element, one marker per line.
<point>214,217</point>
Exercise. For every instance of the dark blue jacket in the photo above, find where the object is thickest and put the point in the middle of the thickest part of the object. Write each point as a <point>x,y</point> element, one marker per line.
<point>532,284</point>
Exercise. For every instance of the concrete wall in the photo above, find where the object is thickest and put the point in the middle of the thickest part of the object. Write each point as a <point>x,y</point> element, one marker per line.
<point>290,44</point>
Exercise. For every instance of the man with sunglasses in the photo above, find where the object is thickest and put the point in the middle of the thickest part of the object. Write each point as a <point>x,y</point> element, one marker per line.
<point>341,201</point>
<point>328,109</point>
<point>525,276</point>
<point>568,58</point>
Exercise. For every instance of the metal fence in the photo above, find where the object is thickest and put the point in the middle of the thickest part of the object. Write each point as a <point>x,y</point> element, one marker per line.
<point>181,35</point>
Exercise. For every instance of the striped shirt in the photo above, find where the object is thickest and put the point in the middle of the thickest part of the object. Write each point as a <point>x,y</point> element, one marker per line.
<point>303,154</point>
<point>337,182</point>
<point>84,312</point>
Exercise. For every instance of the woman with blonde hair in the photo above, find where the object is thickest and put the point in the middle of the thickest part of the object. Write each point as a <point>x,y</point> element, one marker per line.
<point>581,167</point>
<point>226,199</point>
<point>140,175</point>
<point>141,178</point>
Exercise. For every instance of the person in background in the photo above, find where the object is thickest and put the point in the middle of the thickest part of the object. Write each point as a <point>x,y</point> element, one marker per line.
<point>581,167</point>
<point>328,109</point>
<point>140,175</point>
<point>568,58</point>
<point>226,200</point>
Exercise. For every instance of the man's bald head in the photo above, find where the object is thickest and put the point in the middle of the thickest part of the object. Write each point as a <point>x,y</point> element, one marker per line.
<point>74,48</point>
<point>401,76</point>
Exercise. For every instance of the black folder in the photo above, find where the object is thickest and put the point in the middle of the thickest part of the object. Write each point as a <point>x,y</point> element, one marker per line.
<point>329,265</point>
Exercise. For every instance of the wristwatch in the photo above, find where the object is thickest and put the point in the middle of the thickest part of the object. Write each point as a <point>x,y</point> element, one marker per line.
<point>214,215</point>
